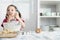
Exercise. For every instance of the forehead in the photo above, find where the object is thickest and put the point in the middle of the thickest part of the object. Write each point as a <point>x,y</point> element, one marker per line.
<point>11,7</point>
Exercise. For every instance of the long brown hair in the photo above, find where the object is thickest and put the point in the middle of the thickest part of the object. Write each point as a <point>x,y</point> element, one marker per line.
<point>16,10</point>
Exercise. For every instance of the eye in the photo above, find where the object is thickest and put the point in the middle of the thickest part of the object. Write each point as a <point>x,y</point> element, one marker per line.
<point>7,10</point>
<point>11,10</point>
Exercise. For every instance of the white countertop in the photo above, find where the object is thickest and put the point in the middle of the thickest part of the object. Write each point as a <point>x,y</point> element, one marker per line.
<point>37,36</point>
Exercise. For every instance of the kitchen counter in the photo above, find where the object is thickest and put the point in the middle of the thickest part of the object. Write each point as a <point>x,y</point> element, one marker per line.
<point>8,35</point>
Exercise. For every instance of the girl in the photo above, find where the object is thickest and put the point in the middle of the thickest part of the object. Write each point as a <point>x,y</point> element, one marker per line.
<point>13,14</point>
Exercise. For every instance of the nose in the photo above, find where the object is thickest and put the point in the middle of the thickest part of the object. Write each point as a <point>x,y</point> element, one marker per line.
<point>10,12</point>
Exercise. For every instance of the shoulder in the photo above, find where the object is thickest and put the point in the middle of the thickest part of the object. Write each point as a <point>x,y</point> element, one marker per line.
<point>5,20</point>
<point>21,19</point>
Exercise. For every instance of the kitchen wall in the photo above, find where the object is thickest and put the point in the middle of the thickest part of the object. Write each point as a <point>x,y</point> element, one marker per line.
<point>32,22</point>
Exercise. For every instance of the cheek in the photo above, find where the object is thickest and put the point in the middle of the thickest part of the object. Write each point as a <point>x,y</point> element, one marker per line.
<point>13,14</point>
<point>14,11</point>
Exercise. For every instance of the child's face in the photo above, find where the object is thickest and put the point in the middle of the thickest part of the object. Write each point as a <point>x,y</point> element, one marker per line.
<point>11,11</point>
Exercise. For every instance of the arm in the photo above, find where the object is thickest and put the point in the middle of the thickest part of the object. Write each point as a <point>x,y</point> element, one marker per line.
<point>22,27</point>
<point>20,20</point>
<point>22,23</point>
<point>5,20</point>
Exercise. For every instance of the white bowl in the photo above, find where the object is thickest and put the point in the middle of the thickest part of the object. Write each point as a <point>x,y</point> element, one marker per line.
<point>1,28</point>
<point>12,26</point>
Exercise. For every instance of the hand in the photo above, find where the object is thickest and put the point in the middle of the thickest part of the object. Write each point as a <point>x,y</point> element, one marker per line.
<point>17,16</point>
<point>21,28</point>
